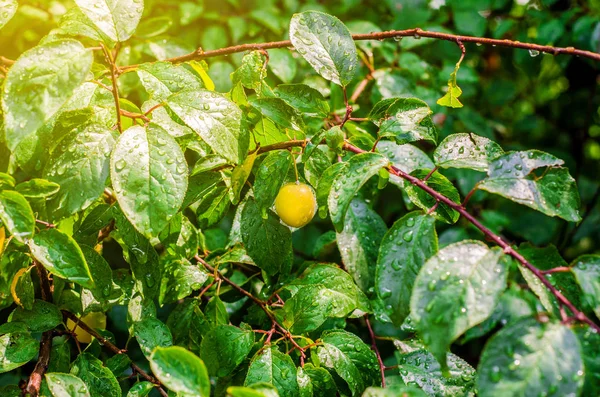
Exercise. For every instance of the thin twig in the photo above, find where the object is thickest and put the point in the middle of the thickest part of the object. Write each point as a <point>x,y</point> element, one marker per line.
<point>113,348</point>
<point>47,224</point>
<point>559,269</point>
<point>35,378</point>
<point>115,89</point>
<point>376,350</point>
<point>415,32</point>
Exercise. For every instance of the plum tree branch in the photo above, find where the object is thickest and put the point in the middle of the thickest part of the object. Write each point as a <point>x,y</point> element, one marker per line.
<point>508,249</point>
<point>415,32</point>
<point>113,348</point>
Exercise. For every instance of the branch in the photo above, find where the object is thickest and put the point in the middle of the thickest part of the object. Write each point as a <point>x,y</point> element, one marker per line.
<point>113,77</point>
<point>105,342</point>
<point>260,303</point>
<point>580,316</point>
<point>376,350</point>
<point>35,378</point>
<point>415,32</point>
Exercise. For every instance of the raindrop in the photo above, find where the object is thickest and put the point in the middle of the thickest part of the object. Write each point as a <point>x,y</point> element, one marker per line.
<point>534,53</point>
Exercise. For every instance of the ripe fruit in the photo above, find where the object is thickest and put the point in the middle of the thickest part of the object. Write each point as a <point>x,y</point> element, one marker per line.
<point>96,320</point>
<point>296,204</point>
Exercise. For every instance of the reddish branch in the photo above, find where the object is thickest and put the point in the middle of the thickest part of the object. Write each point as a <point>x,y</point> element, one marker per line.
<point>105,342</point>
<point>376,350</point>
<point>440,198</point>
<point>114,72</point>
<point>35,378</point>
<point>263,305</point>
<point>416,33</point>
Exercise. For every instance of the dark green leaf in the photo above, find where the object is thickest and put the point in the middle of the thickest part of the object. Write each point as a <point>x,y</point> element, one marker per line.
<point>224,348</point>
<point>239,176</point>
<point>455,290</point>
<point>404,119</point>
<point>140,389</point>
<point>99,380</point>
<point>181,371</point>
<point>466,151</point>
<point>270,176</point>
<point>532,357</point>
<point>149,174</point>
<point>16,349</point>
<point>345,186</point>
<point>350,358</point>
<point>425,201</point>
<point>587,272</point>
<point>43,316</point>
<point>359,241</point>
<point>281,113</point>
<point>267,241</point>
<point>321,380</point>
<point>271,366</point>
<point>151,333</point>
<point>16,215</point>
<point>554,192</point>
<point>403,251</point>
<point>39,83</point>
<point>326,44</point>
<point>419,367</point>
<point>61,255</point>
<point>589,340</point>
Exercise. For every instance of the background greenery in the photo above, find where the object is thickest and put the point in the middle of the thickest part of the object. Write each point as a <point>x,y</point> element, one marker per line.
<point>519,99</point>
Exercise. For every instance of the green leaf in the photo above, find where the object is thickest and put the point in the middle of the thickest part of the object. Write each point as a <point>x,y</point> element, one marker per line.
<point>66,385</point>
<point>350,358</point>
<point>308,309</point>
<point>359,241</point>
<point>589,340</point>
<point>554,193</point>
<point>214,118</point>
<point>267,241</point>
<point>149,174</point>
<point>532,357</point>
<point>151,333</point>
<point>405,157</point>
<point>179,279</point>
<point>99,380</point>
<point>240,175</point>
<point>419,367</point>
<point>61,255</point>
<point>16,215</point>
<point>270,176</point>
<point>216,312</point>
<point>255,390</point>
<point>80,165</point>
<point>43,316</point>
<point>321,380</point>
<point>37,188</point>
<point>455,290</point>
<point>162,79</point>
<point>326,44</point>
<point>403,251</point>
<point>404,119</point>
<point>9,8</point>
<point>251,72</point>
<point>425,201</point>
<point>325,183</point>
<point>466,150</point>
<point>450,99</point>
<point>360,168</point>
<point>587,272</point>
<point>181,371</point>
<point>224,348</point>
<point>304,98</point>
<point>116,18</point>
<point>282,64</point>
<point>105,291</point>
<point>394,390</point>
<point>140,389</point>
<point>271,366</point>
<point>282,114</point>
<point>16,349</point>
<point>39,83</point>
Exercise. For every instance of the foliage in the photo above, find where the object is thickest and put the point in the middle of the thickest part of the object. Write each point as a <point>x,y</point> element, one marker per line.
<point>153,173</point>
